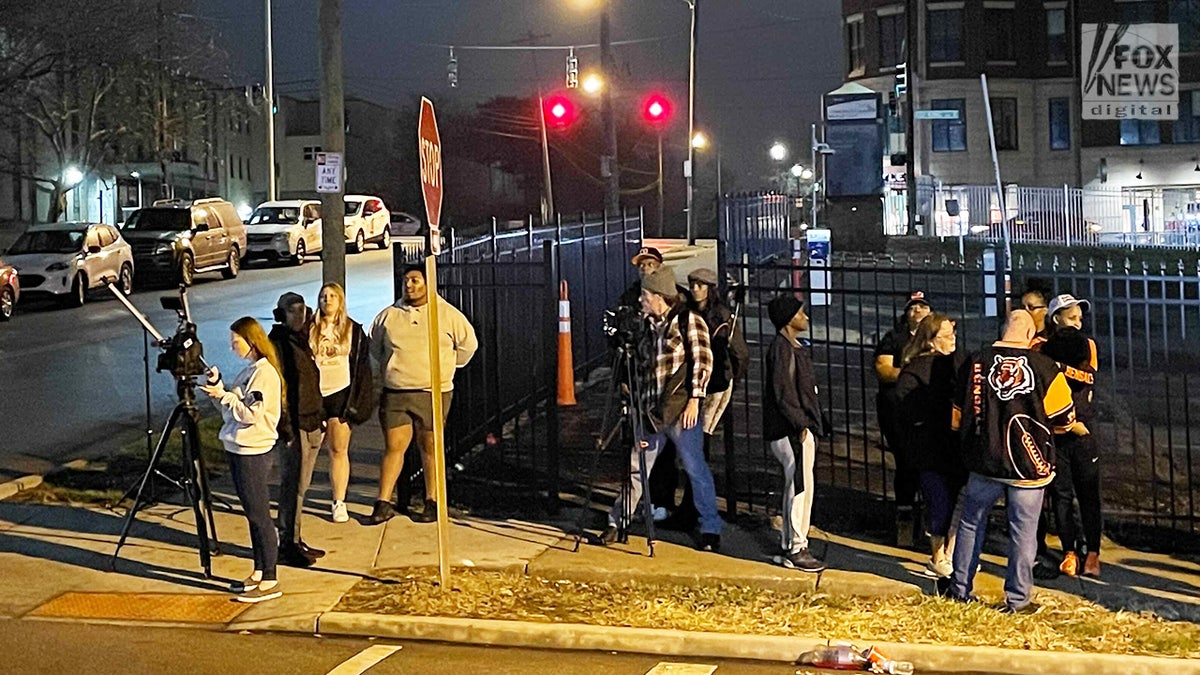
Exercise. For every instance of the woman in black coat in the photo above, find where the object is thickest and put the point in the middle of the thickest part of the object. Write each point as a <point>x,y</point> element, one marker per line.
<point>925,391</point>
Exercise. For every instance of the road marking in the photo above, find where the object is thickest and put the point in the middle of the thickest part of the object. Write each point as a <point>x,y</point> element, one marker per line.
<point>681,669</point>
<point>364,660</point>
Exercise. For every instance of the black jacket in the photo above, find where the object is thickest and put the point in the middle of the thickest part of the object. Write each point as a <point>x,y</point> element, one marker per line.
<point>302,379</point>
<point>730,356</point>
<point>790,397</point>
<point>925,393</point>
<point>363,399</point>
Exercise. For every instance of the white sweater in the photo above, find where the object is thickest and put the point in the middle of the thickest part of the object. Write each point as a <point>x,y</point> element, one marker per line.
<point>251,409</point>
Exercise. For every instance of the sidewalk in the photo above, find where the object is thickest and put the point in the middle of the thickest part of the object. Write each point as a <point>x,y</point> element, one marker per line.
<point>55,560</point>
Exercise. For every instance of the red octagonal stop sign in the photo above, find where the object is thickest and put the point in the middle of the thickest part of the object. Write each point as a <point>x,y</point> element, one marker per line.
<point>429,147</point>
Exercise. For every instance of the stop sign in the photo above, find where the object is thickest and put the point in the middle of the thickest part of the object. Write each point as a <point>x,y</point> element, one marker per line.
<point>429,148</point>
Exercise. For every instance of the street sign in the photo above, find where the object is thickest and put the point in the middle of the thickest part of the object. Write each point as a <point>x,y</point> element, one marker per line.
<point>329,172</point>
<point>936,114</point>
<point>429,150</point>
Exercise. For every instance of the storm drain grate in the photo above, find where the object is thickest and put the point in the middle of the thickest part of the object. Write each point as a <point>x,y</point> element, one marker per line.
<point>183,608</point>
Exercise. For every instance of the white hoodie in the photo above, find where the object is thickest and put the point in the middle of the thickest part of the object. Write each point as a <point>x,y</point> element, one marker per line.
<point>251,409</point>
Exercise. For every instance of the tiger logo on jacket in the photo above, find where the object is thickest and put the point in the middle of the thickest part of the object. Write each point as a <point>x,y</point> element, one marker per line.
<point>1010,377</point>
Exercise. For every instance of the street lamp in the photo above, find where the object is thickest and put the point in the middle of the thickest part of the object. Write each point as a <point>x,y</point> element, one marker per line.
<point>271,186</point>
<point>138,176</point>
<point>592,84</point>
<point>72,176</point>
<point>778,152</point>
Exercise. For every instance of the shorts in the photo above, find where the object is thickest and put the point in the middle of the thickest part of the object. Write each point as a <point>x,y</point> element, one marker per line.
<point>400,407</point>
<point>335,404</point>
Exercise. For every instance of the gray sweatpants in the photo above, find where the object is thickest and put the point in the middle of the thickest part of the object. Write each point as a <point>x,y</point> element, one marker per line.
<point>296,463</point>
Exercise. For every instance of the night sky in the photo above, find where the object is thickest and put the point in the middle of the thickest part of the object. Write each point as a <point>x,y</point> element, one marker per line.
<point>761,64</point>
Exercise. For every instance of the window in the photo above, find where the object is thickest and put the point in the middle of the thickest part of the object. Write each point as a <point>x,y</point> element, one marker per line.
<point>1004,123</point>
<point>1000,45</point>
<point>1186,13</point>
<point>1056,35</point>
<point>310,152</point>
<point>1139,132</point>
<point>945,35</point>
<point>1187,127</point>
<point>854,46</point>
<point>1137,12</point>
<point>891,40</point>
<point>950,135</point>
<point>1060,124</point>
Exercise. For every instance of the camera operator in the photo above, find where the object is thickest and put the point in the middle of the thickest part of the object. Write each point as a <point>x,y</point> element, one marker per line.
<point>302,428</point>
<point>251,408</point>
<point>674,363</point>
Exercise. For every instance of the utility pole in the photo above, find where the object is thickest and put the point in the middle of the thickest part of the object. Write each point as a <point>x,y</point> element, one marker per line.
<point>912,25</point>
<point>660,184</point>
<point>333,132</point>
<point>612,187</point>
<point>691,220</point>
<point>272,189</point>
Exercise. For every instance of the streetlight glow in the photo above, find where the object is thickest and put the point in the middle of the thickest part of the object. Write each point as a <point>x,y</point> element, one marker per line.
<point>778,152</point>
<point>807,174</point>
<point>797,170</point>
<point>72,176</point>
<point>135,174</point>
<point>699,141</point>
<point>592,83</point>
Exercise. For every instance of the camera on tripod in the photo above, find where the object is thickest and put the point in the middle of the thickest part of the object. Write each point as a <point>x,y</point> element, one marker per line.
<point>623,325</point>
<point>183,354</point>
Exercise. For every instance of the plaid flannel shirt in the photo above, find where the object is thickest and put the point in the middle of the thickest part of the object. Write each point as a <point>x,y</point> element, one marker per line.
<point>667,350</point>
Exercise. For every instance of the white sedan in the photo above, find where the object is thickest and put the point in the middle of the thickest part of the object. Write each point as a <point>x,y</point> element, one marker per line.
<point>65,260</point>
<point>284,230</point>
<point>367,221</point>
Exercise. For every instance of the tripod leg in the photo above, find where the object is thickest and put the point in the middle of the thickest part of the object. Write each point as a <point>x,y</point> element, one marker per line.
<point>647,507</point>
<point>193,471</point>
<point>151,469</point>
<point>205,493</point>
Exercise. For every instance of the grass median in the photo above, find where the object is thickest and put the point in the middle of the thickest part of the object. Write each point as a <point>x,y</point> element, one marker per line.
<point>1062,623</point>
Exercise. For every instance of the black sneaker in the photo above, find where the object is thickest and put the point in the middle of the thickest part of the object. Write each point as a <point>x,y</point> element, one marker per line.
<point>609,535</point>
<point>803,560</point>
<point>382,513</point>
<point>1031,608</point>
<point>294,556</point>
<point>1044,572</point>
<point>710,542</point>
<point>311,552</point>
<point>428,514</point>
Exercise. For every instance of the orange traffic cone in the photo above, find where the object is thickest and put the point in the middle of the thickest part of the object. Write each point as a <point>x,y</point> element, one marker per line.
<point>566,362</point>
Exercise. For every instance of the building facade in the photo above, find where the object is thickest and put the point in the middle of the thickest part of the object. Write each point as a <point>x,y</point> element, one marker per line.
<point>1029,50</point>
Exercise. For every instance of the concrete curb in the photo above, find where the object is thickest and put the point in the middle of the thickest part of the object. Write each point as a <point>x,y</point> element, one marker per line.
<point>568,636</point>
<point>21,484</point>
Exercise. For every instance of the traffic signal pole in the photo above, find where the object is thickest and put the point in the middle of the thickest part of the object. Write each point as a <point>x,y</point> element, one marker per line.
<point>548,214</point>
<point>612,187</point>
<point>913,23</point>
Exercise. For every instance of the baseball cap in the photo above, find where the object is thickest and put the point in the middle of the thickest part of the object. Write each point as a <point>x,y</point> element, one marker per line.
<point>916,298</point>
<point>1061,302</point>
<point>647,252</point>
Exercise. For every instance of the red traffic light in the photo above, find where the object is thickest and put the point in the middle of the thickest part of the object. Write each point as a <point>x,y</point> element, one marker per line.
<point>656,109</point>
<point>559,111</point>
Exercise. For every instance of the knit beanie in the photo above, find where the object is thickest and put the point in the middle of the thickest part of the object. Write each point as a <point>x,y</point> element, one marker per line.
<point>782,309</point>
<point>661,281</point>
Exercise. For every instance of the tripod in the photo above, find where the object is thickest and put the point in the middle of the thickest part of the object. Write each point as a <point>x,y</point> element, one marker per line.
<point>193,482</point>
<point>631,415</point>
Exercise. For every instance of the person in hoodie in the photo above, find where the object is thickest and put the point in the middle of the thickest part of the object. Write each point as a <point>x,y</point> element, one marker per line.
<point>302,426</point>
<point>791,422</point>
<point>251,406</point>
<point>1010,403</point>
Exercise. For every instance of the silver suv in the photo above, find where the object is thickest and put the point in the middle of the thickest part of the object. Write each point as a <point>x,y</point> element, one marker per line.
<point>177,240</point>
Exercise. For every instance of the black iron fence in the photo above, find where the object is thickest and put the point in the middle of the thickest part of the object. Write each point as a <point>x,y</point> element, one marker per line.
<point>1145,320</point>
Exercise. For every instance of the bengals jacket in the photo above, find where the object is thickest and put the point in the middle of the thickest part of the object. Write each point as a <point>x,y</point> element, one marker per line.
<point>1013,402</point>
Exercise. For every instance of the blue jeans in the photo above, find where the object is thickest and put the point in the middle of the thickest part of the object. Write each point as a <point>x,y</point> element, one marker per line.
<point>689,443</point>
<point>1024,507</point>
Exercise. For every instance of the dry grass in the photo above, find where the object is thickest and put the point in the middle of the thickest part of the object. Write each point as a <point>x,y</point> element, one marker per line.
<point>1063,623</point>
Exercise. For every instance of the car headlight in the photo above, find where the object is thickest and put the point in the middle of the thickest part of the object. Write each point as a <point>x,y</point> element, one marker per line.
<point>58,267</point>
<point>164,248</point>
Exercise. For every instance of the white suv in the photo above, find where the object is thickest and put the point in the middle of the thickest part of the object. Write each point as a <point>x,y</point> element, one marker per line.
<point>65,260</point>
<point>367,221</point>
<point>284,230</point>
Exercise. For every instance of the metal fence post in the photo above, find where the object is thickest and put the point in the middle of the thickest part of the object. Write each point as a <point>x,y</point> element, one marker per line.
<point>550,332</point>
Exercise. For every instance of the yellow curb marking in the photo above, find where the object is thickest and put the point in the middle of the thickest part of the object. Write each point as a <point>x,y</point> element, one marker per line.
<point>175,607</point>
<point>665,667</point>
<point>364,660</point>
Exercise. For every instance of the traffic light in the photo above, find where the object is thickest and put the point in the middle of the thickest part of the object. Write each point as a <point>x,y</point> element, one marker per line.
<point>901,79</point>
<point>656,109</point>
<point>559,111</point>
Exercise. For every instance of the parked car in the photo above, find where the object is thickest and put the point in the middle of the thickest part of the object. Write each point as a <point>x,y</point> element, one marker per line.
<point>1044,226</point>
<point>10,290</point>
<point>180,239</point>
<point>367,221</point>
<point>284,230</point>
<point>406,225</point>
<point>66,260</point>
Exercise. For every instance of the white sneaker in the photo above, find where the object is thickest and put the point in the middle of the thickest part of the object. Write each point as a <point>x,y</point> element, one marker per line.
<point>941,569</point>
<point>339,512</point>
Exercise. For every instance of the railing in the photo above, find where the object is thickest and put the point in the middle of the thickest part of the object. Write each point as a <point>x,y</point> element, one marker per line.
<point>754,225</point>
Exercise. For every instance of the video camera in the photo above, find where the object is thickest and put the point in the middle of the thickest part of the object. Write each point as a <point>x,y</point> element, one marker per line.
<point>182,353</point>
<point>623,325</point>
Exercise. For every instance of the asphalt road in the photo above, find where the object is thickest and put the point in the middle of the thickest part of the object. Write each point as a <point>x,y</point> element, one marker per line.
<point>34,647</point>
<point>71,380</point>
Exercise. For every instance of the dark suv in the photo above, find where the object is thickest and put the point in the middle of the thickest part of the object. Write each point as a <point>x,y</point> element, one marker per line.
<point>177,240</point>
